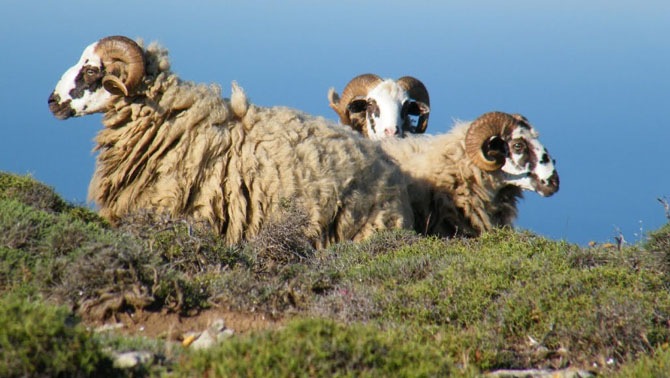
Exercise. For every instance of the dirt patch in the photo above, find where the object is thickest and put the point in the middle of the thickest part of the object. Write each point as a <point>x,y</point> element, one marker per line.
<point>171,326</point>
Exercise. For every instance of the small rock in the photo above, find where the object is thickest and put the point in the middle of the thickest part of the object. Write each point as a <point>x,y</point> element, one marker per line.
<point>205,341</point>
<point>217,326</point>
<point>215,333</point>
<point>131,359</point>
<point>532,341</point>
<point>225,334</point>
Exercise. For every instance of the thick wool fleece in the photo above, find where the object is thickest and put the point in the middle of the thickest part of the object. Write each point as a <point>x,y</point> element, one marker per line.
<point>179,147</point>
<point>451,196</point>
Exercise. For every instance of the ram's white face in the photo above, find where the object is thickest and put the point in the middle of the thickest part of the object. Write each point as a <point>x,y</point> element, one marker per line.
<point>80,89</point>
<point>528,164</point>
<point>385,111</point>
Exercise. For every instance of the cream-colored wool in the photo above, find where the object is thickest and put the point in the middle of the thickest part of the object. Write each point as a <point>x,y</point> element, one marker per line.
<point>179,147</point>
<point>450,195</point>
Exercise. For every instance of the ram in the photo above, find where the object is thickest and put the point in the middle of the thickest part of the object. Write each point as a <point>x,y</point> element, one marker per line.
<point>469,180</point>
<point>380,108</point>
<point>175,146</point>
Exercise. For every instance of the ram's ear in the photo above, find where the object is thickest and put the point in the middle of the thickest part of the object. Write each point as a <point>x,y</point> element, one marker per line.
<point>357,106</point>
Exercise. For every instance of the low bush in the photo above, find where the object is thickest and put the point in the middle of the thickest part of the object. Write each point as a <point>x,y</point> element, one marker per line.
<point>316,347</point>
<point>506,299</point>
<point>42,340</point>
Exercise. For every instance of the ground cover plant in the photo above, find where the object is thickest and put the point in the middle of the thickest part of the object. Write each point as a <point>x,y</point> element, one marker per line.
<point>396,304</point>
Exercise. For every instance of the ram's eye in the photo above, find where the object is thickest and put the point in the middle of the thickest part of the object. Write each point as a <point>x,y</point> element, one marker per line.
<point>518,147</point>
<point>91,72</point>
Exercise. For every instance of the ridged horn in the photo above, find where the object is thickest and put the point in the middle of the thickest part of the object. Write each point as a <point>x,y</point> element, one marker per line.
<point>124,64</point>
<point>358,87</point>
<point>418,92</point>
<point>480,132</point>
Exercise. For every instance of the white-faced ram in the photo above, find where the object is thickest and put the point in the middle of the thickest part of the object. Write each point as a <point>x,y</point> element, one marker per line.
<point>379,108</point>
<point>175,146</point>
<point>469,180</point>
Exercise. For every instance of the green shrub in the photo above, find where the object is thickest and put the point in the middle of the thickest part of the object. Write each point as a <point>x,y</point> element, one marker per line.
<point>152,263</point>
<point>34,194</point>
<point>659,240</point>
<point>506,299</point>
<point>27,190</point>
<point>42,340</point>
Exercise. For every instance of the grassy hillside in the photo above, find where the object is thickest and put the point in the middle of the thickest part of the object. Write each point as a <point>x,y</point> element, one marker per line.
<point>397,304</point>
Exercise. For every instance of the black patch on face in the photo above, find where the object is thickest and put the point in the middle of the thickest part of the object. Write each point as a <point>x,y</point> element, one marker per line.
<point>372,125</point>
<point>358,122</point>
<point>372,110</point>
<point>522,121</point>
<point>356,109</point>
<point>524,125</point>
<point>60,111</point>
<point>531,158</point>
<point>545,158</point>
<point>357,106</point>
<point>88,79</point>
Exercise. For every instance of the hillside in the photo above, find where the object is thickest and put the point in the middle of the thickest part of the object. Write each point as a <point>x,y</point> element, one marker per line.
<point>398,304</point>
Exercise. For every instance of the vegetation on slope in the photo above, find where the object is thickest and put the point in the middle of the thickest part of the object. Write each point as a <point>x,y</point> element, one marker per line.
<point>397,304</point>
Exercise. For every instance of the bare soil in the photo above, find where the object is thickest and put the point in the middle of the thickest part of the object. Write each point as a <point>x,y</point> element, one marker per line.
<point>172,326</point>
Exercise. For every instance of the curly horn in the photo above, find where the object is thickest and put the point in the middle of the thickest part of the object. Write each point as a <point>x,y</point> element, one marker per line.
<point>480,132</point>
<point>356,88</point>
<point>418,92</point>
<point>121,54</point>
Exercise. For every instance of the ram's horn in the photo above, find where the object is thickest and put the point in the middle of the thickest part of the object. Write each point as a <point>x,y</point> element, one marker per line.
<point>480,133</point>
<point>124,64</point>
<point>357,88</point>
<point>417,92</point>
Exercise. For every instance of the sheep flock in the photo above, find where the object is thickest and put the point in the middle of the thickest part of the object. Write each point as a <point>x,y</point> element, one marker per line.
<point>173,146</point>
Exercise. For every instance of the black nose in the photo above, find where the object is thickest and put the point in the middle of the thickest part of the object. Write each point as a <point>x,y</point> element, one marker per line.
<point>60,111</point>
<point>53,98</point>
<point>549,186</point>
<point>554,181</point>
